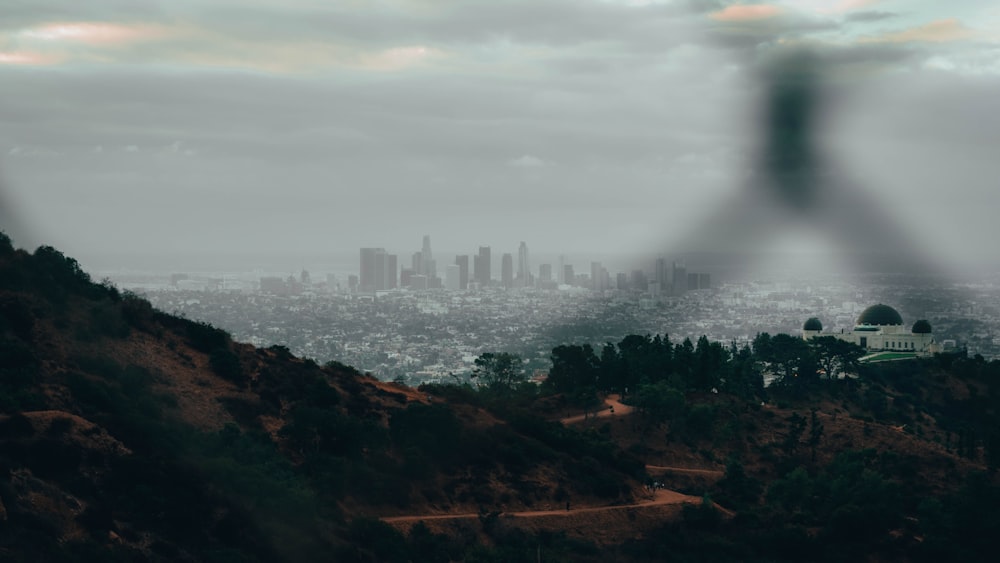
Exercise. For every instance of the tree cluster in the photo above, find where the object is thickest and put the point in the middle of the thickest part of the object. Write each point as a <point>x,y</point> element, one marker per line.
<point>638,361</point>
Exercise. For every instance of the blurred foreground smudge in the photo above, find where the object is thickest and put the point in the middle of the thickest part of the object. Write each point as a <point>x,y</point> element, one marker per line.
<point>793,190</point>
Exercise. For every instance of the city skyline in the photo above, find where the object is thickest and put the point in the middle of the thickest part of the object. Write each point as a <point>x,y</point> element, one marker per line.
<point>379,271</point>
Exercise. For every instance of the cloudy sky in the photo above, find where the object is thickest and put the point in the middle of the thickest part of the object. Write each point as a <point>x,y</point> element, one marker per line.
<point>213,127</point>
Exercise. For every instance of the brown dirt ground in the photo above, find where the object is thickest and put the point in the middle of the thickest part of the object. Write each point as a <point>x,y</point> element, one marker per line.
<point>602,524</point>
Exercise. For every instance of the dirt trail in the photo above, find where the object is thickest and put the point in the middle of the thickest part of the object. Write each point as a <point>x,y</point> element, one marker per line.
<point>708,472</point>
<point>614,407</point>
<point>661,497</point>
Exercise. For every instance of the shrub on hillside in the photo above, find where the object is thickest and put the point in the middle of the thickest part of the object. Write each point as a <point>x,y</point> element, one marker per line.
<point>16,316</point>
<point>205,337</point>
<point>226,365</point>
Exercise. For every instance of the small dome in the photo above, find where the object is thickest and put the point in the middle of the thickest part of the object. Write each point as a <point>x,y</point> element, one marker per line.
<point>880,315</point>
<point>921,327</point>
<point>812,324</point>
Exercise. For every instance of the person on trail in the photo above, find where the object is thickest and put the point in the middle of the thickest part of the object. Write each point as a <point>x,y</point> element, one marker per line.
<point>612,407</point>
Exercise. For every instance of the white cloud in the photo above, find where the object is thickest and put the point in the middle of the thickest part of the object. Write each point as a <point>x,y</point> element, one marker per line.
<point>526,161</point>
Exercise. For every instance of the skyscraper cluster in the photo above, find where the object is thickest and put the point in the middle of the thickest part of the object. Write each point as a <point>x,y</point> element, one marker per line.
<point>380,271</point>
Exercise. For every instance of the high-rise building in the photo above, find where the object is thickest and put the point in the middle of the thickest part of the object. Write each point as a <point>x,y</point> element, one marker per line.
<point>272,284</point>
<point>523,266</point>
<point>483,265</point>
<point>545,273</point>
<point>507,270</point>
<point>417,264</point>
<point>596,277</point>
<point>425,252</point>
<point>639,280</point>
<point>380,273</point>
<point>391,272</point>
<point>654,288</point>
<point>561,271</point>
<point>378,270</point>
<point>430,268</point>
<point>404,277</point>
<point>621,281</point>
<point>463,271</point>
<point>679,278</point>
<point>704,281</point>
<point>453,277</point>
<point>692,283</point>
<point>660,272</point>
<point>370,271</point>
<point>569,278</point>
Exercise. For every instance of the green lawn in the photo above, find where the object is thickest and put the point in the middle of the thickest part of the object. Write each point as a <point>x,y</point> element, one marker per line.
<point>888,356</point>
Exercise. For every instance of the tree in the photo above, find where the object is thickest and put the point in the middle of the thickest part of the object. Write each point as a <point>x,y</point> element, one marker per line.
<point>573,367</point>
<point>499,372</point>
<point>611,374</point>
<point>711,360</point>
<point>790,357</point>
<point>834,355</point>
<point>659,402</point>
<point>684,361</point>
<point>737,487</point>
<point>815,433</point>
<point>744,377</point>
<point>796,426</point>
<point>638,360</point>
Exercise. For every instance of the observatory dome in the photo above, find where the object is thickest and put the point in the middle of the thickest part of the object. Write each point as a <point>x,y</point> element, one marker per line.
<point>880,315</point>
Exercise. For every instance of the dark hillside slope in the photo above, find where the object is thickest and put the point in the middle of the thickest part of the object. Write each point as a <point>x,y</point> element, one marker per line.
<point>127,433</point>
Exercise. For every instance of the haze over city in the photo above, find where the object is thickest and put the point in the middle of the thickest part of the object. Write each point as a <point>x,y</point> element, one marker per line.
<point>245,133</point>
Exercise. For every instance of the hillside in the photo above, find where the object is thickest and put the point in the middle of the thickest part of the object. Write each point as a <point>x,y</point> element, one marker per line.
<point>130,434</point>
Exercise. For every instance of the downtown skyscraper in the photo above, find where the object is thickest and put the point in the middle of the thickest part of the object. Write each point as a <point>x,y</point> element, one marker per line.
<point>378,270</point>
<point>429,266</point>
<point>481,266</point>
<point>679,279</point>
<point>462,261</point>
<point>523,266</point>
<point>507,270</point>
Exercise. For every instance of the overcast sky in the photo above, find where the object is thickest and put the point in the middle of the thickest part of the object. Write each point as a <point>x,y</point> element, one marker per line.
<point>247,126</point>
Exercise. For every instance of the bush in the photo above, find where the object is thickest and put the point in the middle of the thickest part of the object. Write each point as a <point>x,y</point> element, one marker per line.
<point>434,429</point>
<point>700,420</point>
<point>137,311</point>
<point>227,365</point>
<point>58,275</point>
<point>19,376</point>
<point>373,540</point>
<point>312,430</point>
<point>16,315</point>
<point>703,515</point>
<point>205,337</point>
